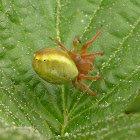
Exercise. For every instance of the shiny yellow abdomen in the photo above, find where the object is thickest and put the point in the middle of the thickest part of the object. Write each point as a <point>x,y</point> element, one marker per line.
<point>54,65</point>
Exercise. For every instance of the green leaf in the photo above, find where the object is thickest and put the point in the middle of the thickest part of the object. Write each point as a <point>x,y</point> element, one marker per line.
<point>120,127</point>
<point>31,108</point>
<point>22,133</point>
<point>135,105</point>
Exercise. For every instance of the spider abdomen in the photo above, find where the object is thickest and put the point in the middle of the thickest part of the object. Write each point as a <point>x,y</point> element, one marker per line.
<point>54,65</point>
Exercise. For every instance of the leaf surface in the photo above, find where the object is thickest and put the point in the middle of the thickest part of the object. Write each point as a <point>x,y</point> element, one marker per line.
<point>51,111</point>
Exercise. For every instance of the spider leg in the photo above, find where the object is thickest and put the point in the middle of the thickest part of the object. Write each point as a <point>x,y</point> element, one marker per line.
<point>90,40</point>
<point>91,54</point>
<point>85,86</point>
<point>66,49</point>
<point>75,43</point>
<point>74,84</point>
<point>83,76</point>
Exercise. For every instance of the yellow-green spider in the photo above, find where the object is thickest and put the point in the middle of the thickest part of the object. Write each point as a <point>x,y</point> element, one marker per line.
<point>55,66</point>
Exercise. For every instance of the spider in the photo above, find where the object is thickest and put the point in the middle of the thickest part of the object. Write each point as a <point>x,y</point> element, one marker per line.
<point>55,66</point>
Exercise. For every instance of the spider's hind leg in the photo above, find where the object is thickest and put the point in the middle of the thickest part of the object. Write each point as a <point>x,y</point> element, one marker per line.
<point>85,86</point>
<point>74,84</point>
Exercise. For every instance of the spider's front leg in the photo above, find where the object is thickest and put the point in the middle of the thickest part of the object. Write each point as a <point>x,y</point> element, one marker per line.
<point>75,43</point>
<point>85,86</point>
<point>65,48</point>
<point>90,40</point>
<point>91,54</point>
